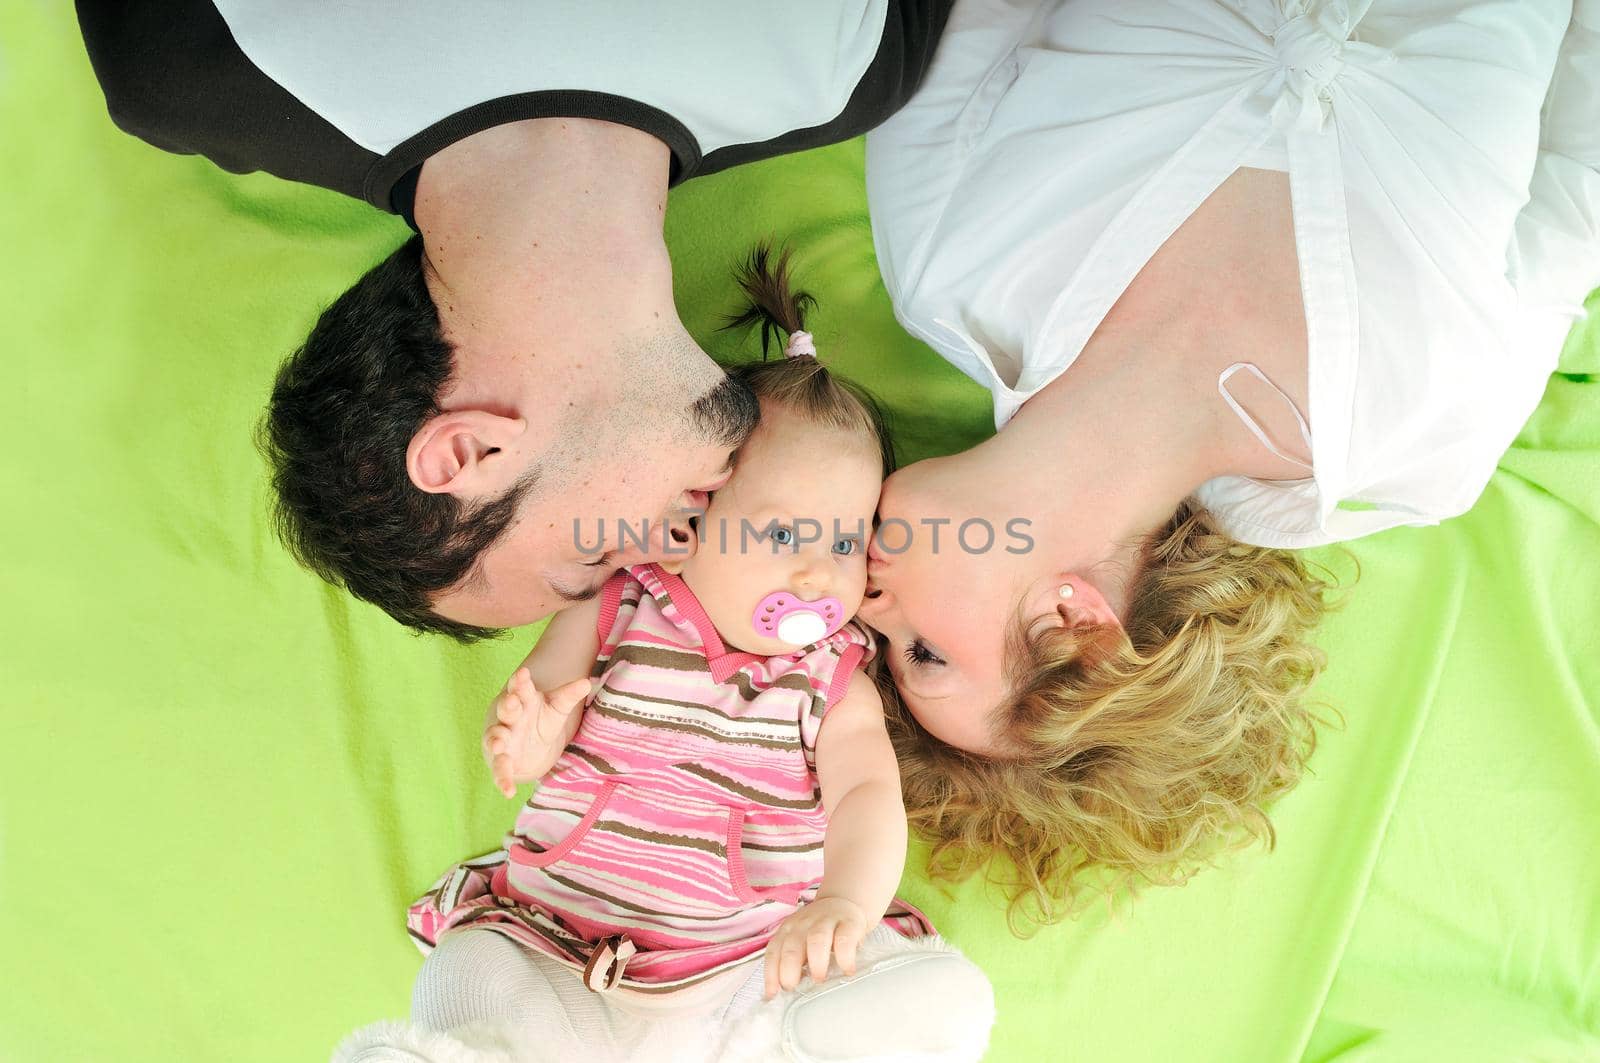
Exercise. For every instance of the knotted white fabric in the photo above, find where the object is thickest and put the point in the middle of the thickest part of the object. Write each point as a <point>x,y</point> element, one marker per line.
<point>1314,45</point>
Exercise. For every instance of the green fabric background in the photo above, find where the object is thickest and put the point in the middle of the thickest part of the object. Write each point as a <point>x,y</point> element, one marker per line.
<point>221,781</point>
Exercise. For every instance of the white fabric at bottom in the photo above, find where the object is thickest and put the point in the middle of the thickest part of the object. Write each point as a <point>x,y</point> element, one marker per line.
<point>481,998</point>
<point>478,976</point>
<point>915,1006</point>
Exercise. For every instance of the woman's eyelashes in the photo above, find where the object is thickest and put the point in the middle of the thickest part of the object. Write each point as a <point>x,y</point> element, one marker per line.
<point>918,653</point>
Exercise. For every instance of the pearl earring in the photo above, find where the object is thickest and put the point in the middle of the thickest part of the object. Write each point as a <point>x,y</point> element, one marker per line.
<point>1065,591</point>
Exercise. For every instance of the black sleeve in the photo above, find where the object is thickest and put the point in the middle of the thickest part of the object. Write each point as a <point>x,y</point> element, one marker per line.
<point>174,77</point>
<point>911,31</point>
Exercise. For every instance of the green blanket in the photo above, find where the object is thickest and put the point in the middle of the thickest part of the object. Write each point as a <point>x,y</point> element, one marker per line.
<point>222,781</point>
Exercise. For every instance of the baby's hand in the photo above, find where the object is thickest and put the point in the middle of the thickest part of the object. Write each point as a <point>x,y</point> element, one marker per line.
<point>827,926</point>
<point>528,730</point>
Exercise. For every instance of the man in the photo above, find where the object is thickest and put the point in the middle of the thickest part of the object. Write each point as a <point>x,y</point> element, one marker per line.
<point>518,367</point>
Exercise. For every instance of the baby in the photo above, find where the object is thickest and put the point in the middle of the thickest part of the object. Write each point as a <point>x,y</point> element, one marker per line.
<point>716,783</point>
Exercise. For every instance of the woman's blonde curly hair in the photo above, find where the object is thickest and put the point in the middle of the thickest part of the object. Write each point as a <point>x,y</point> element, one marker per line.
<point>1140,757</point>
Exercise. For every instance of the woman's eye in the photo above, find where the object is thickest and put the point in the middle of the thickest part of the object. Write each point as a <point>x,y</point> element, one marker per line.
<point>918,653</point>
<point>783,536</point>
<point>846,547</point>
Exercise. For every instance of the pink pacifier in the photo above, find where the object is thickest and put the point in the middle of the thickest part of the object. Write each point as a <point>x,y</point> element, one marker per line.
<point>783,616</point>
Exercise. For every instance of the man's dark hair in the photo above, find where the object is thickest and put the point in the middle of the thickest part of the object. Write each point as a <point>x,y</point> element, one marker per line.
<point>343,411</point>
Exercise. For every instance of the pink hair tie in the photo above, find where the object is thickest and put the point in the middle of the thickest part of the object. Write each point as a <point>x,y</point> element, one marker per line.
<point>799,343</point>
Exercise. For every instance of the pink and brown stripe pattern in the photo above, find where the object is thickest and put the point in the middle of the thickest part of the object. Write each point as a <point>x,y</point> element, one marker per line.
<point>684,816</point>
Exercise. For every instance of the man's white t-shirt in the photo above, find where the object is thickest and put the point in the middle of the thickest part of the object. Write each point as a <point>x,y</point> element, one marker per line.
<point>355,95</point>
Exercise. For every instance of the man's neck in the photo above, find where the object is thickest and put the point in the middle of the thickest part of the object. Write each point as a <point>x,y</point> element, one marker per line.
<point>541,233</point>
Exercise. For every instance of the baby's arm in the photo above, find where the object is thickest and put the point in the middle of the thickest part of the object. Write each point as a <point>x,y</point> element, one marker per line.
<point>864,851</point>
<point>537,712</point>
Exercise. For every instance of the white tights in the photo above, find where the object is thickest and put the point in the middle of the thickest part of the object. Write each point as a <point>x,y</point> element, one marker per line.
<point>482,998</point>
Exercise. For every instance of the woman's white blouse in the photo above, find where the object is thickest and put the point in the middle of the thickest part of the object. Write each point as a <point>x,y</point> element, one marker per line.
<point>1052,150</point>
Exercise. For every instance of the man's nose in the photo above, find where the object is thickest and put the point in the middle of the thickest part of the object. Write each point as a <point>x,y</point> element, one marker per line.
<point>692,502</point>
<point>678,534</point>
<point>669,539</point>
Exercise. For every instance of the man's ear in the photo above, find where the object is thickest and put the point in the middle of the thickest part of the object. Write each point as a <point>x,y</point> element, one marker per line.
<point>466,452</point>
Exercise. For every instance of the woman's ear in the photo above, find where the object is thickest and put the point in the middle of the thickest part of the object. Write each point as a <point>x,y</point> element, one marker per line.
<point>1068,600</point>
<point>1085,604</point>
<point>466,452</point>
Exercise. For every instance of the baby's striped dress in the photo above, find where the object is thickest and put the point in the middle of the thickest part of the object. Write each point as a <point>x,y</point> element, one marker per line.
<point>684,820</point>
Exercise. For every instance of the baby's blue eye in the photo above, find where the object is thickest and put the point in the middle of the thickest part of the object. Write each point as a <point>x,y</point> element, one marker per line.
<point>783,536</point>
<point>846,547</point>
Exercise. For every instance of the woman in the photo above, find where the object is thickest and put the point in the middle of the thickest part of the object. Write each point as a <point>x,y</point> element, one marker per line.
<point>1243,277</point>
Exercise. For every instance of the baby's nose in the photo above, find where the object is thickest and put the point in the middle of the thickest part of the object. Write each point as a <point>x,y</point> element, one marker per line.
<point>809,576</point>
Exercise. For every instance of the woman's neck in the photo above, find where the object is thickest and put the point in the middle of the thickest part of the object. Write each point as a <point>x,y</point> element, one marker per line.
<point>1112,446</point>
<point>1136,423</point>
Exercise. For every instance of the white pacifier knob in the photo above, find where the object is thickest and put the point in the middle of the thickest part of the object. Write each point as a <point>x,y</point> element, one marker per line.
<point>802,628</point>
<point>784,616</point>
